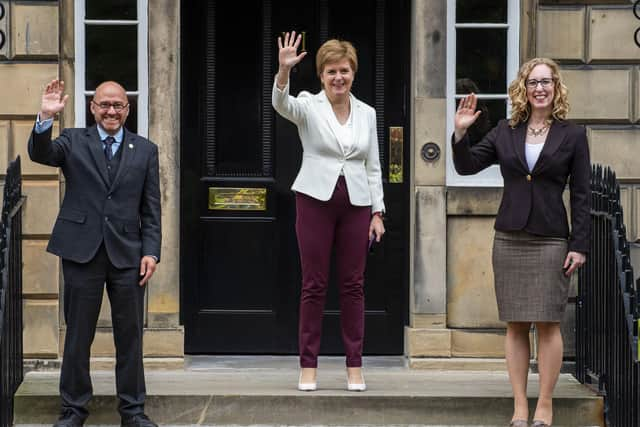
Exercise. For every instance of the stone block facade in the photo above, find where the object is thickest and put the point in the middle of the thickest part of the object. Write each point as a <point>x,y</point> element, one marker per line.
<point>40,47</point>
<point>610,36</point>
<point>560,32</point>
<point>605,95</point>
<point>41,270</point>
<point>593,43</point>
<point>29,62</point>
<point>471,299</point>
<point>41,329</point>
<point>20,131</point>
<point>599,95</point>
<point>27,81</point>
<point>452,310</point>
<point>34,30</point>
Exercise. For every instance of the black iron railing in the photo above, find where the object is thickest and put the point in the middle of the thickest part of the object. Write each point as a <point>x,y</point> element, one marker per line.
<point>607,308</point>
<point>10,292</point>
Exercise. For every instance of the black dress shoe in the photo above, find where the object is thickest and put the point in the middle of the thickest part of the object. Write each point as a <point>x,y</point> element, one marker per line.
<point>68,418</point>
<point>140,420</point>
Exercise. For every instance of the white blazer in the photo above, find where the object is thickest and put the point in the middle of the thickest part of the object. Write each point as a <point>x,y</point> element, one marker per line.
<point>324,155</point>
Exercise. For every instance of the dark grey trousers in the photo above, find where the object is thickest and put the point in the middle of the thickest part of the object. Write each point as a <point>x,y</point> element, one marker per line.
<point>83,288</point>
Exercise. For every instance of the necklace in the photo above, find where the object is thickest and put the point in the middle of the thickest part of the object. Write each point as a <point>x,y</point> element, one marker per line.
<point>538,132</point>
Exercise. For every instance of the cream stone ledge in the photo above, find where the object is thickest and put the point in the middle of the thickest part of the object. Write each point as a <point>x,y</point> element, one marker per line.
<point>157,343</point>
<point>454,343</point>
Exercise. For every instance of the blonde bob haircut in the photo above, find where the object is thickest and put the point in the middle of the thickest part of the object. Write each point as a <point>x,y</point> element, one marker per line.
<point>333,51</point>
<point>520,107</point>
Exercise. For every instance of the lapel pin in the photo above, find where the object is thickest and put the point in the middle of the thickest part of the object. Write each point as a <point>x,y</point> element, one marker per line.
<point>130,145</point>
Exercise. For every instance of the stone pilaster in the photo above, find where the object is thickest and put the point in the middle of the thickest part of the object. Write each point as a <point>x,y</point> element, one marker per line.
<point>164,130</point>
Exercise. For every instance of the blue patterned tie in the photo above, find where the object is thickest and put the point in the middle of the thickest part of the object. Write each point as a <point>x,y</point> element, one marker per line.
<point>108,142</point>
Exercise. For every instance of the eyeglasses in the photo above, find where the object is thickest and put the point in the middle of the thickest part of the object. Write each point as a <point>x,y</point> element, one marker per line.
<point>106,106</point>
<point>533,83</point>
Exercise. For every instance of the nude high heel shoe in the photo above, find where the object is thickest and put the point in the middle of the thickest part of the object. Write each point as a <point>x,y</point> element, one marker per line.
<point>356,386</point>
<point>312,386</point>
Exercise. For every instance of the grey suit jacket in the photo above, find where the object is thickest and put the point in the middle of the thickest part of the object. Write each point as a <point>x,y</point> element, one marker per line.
<point>124,214</point>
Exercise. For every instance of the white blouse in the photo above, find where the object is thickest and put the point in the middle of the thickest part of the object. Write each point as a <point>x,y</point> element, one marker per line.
<point>532,152</point>
<point>345,132</point>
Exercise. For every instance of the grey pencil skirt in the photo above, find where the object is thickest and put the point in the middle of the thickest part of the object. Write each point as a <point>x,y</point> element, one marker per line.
<point>529,279</point>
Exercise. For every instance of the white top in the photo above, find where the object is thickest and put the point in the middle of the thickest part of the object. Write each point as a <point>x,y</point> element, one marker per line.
<point>532,152</point>
<point>345,132</point>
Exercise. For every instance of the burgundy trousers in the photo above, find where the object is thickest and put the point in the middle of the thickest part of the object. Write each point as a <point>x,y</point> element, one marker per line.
<point>321,226</point>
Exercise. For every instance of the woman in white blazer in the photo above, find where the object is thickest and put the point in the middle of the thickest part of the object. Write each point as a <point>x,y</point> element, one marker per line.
<point>339,199</point>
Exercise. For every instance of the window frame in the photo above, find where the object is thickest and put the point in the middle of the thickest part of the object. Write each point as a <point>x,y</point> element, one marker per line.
<point>142,94</point>
<point>491,176</point>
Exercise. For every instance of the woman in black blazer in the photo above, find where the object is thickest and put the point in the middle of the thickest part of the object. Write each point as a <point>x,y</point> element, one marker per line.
<point>534,252</point>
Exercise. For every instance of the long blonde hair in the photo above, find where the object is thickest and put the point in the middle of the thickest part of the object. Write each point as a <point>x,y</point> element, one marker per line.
<point>520,107</point>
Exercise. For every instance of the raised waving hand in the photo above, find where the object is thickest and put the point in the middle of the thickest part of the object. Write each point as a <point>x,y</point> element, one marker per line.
<point>466,115</point>
<point>287,56</point>
<point>53,100</point>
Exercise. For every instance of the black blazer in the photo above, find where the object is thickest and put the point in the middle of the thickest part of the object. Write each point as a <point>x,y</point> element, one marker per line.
<point>125,214</point>
<point>532,201</point>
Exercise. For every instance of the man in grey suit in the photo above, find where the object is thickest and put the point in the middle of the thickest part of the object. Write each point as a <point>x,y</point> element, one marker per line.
<point>107,232</point>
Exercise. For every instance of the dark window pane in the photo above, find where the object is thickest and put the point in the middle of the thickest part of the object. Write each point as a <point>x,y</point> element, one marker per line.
<point>112,9</point>
<point>481,55</point>
<point>492,111</point>
<point>493,11</point>
<point>238,100</point>
<point>132,120</point>
<point>111,54</point>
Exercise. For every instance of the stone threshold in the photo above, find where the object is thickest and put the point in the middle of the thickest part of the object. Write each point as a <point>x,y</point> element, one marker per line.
<point>262,391</point>
<point>105,364</point>
<point>418,363</point>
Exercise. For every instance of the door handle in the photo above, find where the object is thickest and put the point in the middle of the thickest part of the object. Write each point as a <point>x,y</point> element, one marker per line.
<point>396,148</point>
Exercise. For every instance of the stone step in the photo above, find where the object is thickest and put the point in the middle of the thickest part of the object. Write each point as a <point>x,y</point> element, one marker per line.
<point>262,392</point>
<point>276,425</point>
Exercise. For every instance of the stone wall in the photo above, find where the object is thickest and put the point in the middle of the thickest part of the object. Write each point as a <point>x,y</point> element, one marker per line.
<point>601,65</point>
<point>593,43</point>
<point>453,310</point>
<point>28,62</point>
<point>40,47</point>
<point>427,333</point>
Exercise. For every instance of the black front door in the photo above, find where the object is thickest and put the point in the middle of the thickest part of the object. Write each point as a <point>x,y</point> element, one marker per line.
<point>240,272</point>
